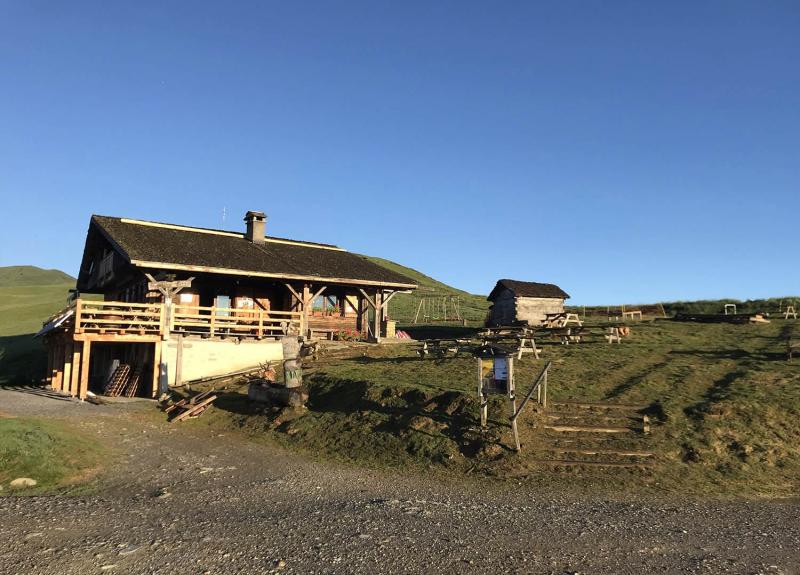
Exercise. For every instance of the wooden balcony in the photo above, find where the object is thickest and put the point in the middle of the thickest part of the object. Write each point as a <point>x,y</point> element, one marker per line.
<point>153,321</point>
<point>228,321</point>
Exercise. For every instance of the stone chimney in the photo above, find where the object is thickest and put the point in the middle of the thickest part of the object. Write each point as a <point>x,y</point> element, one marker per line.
<point>256,222</point>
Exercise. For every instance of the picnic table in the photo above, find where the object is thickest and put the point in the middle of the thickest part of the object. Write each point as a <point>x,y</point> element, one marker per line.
<point>567,335</point>
<point>521,336</point>
<point>561,319</point>
<point>441,347</point>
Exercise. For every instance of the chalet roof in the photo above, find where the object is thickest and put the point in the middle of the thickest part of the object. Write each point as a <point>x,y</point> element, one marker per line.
<point>528,289</point>
<point>166,246</point>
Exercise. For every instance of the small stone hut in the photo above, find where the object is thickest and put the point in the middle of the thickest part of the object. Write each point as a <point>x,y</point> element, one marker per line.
<point>517,301</point>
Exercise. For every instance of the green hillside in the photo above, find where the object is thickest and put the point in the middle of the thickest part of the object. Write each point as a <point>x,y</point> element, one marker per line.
<point>403,307</point>
<point>28,296</point>
<point>14,276</point>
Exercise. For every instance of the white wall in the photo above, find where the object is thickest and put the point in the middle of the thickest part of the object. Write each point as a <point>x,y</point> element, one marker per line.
<point>210,357</point>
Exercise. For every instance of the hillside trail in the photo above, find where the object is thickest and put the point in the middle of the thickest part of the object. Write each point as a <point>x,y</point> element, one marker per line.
<point>181,499</point>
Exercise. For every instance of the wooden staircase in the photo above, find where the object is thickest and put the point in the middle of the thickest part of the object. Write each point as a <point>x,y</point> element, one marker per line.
<point>594,435</point>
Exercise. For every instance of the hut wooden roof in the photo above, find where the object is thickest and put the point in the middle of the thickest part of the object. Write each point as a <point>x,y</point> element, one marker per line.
<point>167,246</point>
<point>528,289</point>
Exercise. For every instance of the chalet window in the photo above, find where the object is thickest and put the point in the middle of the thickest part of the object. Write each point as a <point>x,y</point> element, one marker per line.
<point>244,303</point>
<point>223,301</point>
<point>187,297</point>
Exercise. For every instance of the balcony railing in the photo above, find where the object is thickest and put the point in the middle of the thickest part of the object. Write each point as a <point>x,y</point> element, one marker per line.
<point>108,317</point>
<point>247,322</point>
<point>93,316</point>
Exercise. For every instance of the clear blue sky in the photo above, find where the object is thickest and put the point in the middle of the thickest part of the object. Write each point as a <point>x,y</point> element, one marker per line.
<point>628,151</point>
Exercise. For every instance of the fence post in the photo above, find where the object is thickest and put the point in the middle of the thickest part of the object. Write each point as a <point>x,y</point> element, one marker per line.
<point>78,308</point>
<point>544,393</point>
<point>213,316</point>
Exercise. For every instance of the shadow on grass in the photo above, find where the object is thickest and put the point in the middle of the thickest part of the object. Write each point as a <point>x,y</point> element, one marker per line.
<point>735,354</point>
<point>412,413</point>
<point>718,392</point>
<point>441,331</point>
<point>22,360</point>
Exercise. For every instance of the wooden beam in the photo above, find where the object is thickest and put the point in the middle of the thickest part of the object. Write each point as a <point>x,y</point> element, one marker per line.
<point>305,331</point>
<point>59,366</point>
<point>367,297</point>
<point>293,291</point>
<point>115,337</point>
<point>179,361</point>
<point>315,296</point>
<point>75,379</point>
<point>388,298</point>
<point>83,388</point>
<point>378,317</point>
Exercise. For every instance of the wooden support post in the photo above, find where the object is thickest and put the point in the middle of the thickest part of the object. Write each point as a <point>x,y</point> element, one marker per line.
<point>179,361</point>
<point>306,331</point>
<point>378,316</point>
<point>59,369</point>
<point>48,376</point>
<point>78,309</point>
<point>514,429</point>
<point>75,380</point>
<point>484,399</point>
<point>156,368</point>
<point>544,383</point>
<point>83,388</point>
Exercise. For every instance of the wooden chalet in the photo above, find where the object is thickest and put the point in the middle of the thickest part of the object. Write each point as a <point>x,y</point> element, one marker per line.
<point>181,302</point>
<point>516,301</point>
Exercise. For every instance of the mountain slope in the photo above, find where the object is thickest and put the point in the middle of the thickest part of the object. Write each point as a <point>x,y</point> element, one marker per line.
<point>28,296</point>
<point>403,307</point>
<point>14,276</point>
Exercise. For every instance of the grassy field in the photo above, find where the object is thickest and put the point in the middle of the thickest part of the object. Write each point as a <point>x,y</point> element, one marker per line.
<point>724,401</point>
<point>54,454</point>
<point>28,296</point>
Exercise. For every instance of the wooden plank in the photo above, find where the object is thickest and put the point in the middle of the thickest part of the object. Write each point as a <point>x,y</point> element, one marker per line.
<point>83,388</point>
<point>194,409</point>
<point>75,379</point>
<point>179,361</point>
<point>59,362</point>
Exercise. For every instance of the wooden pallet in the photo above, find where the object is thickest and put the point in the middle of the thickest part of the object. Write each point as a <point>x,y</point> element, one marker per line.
<point>118,380</point>
<point>132,387</point>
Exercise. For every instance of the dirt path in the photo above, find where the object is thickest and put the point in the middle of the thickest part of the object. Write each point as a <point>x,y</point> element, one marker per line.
<point>240,507</point>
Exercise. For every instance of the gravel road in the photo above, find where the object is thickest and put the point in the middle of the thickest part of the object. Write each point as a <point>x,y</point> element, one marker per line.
<point>181,502</point>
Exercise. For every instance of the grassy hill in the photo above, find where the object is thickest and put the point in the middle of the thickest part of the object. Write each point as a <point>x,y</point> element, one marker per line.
<point>28,295</point>
<point>403,307</point>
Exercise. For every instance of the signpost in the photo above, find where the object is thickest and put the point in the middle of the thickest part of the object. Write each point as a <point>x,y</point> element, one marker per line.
<point>168,289</point>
